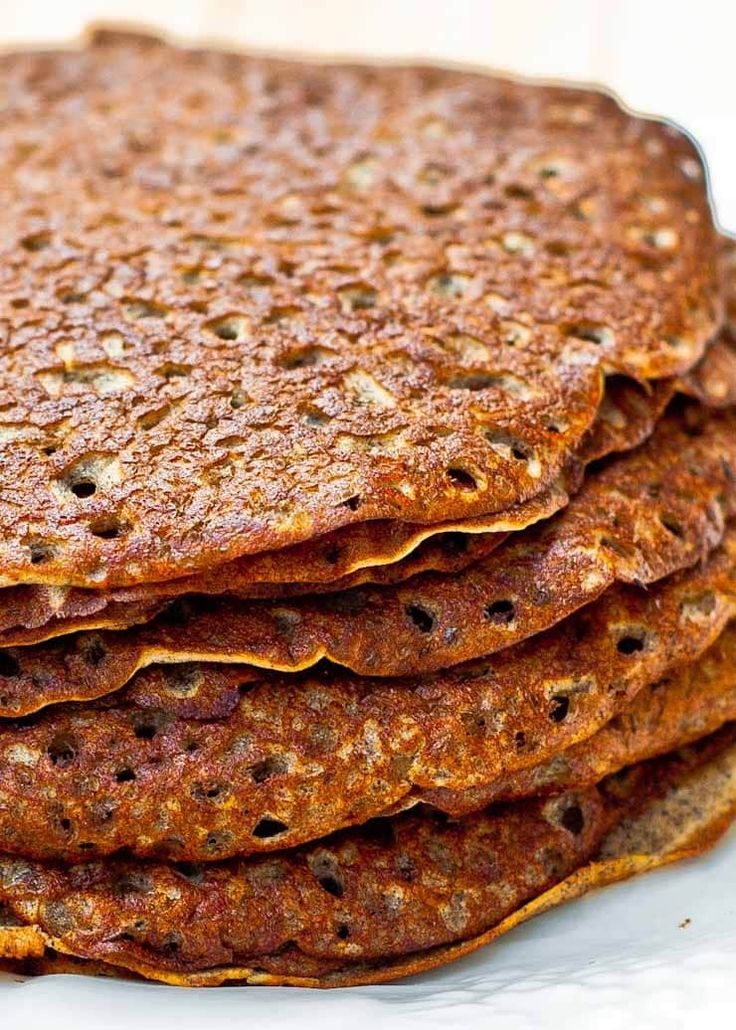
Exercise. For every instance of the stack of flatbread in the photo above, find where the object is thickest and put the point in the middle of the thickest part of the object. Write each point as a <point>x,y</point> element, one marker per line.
<point>368,519</point>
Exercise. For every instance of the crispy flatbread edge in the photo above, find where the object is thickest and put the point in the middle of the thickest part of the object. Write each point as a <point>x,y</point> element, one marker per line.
<point>23,943</point>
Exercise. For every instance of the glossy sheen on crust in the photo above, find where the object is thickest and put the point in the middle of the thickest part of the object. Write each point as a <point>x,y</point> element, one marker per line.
<point>644,516</point>
<point>259,300</point>
<point>406,895</point>
<point>189,760</point>
<point>372,552</point>
<point>673,711</point>
<point>376,552</point>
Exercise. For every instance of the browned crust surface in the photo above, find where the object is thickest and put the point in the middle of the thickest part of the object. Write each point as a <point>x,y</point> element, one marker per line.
<point>669,713</point>
<point>366,907</point>
<point>382,551</point>
<point>641,518</point>
<point>374,552</point>
<point>189,759</point>
<point>402,885</point>
<point>377,552</point>
<point>258,300</point>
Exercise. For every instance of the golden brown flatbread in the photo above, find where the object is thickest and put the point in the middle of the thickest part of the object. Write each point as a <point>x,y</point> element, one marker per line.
<point>260,300</point>
<point>395,897</point>
<point>205,761</point>
<point>639,519</point>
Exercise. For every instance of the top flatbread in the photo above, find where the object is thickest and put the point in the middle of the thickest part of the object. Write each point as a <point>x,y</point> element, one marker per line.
<point>255,300</point>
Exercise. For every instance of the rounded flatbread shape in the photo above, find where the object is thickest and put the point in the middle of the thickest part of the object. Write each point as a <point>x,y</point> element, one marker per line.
<point>260,300</point>
<point>190,762</point>
<point>393,898</point>
<point>645,515</point>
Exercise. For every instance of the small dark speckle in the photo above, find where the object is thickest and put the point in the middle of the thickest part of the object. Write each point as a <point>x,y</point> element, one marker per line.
<point>286,623</point>
<point>685,923</point>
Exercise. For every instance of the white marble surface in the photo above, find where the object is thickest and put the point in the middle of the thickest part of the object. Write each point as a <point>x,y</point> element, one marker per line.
<point>618,958</point>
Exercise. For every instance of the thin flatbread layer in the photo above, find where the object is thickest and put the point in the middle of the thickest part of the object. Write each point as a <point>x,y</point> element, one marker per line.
<point>644,516</point>
<point>386,900</point>
<point>713,380</point>
<point>201,762</point>
<point>34,612</point>
<point>260,300</point>
<point>373,552</point>
<point>328,899</point>
<point>674,711</point>
<point>356,548</point>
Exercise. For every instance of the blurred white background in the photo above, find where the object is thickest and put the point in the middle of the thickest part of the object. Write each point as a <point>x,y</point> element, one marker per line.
<point>667,57</point>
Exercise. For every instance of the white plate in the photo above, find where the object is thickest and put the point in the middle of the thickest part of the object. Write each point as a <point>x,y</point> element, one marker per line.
<point>656,952</point>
